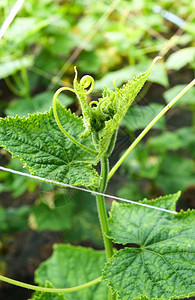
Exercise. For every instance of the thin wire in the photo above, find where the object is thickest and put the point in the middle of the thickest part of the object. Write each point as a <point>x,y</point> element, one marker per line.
<point>15,9</point>
<point>85,190</point>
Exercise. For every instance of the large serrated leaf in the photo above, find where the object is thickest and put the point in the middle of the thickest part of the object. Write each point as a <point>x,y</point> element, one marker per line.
<point>70,266</point>
<point>162,266</point>
<point>44,150</point>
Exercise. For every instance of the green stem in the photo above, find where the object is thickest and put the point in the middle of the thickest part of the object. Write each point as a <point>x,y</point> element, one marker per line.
<point>19,83</point>
<point>104,225</point>
<point>49,290</point>
<point>145,131</point>
<point>24,75</point>
<point>12,88</point>
<point>103,214</point>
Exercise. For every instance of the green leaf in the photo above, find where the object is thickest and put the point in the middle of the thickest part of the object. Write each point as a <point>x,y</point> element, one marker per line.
<point>84,222</point>
<point>139,117</point>
<point>44,150</point>
<point>13,183</point>
<point>187,99</point>
<point>68,213</point>
<point>176,172</point>
<point>39,103</point>
<point>14,219</point>
<point>187,135</point>
<point>159,75</point>
<point>123,234</point>
<point>161,265</point>
<point>23,27</point>
<point>62,43</point>
<point>57,217</point>
<point>142,163</point>
<point>70,266</point>
<point>47,296</point>
<point>89,62</point>
<point>3,224</point>
<point>11,67</point>
<point>165,141</point>
<point>180,58</point>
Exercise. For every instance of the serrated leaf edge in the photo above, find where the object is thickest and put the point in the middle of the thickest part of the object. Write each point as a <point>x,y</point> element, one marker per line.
<point>141,296</point>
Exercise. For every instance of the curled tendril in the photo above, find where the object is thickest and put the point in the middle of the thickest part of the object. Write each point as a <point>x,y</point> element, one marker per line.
<point>85,81</point>
<point>89,150</point>
<point>95,102</point>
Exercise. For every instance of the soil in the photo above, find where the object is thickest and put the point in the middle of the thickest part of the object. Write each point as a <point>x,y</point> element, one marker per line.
<point>22,254</point>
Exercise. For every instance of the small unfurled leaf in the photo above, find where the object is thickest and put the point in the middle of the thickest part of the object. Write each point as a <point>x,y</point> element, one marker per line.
<point>86,112</point>
<point>113,106</point>
<point>160,265</point>
<point>44,150</point>
<point>71,266</point>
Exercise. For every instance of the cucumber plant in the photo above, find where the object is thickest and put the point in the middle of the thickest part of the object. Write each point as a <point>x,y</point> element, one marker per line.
<point>156,261</point>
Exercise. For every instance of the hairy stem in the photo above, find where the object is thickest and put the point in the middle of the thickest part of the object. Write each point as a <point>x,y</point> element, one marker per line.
<point>49,290</point>
<point>103,214</point>
<point>145,131</point>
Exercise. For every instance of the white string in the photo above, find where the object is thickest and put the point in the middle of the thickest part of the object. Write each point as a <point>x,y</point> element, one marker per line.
<point>85,190</point>
<point>169,16</point>
<point>15,9</point>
